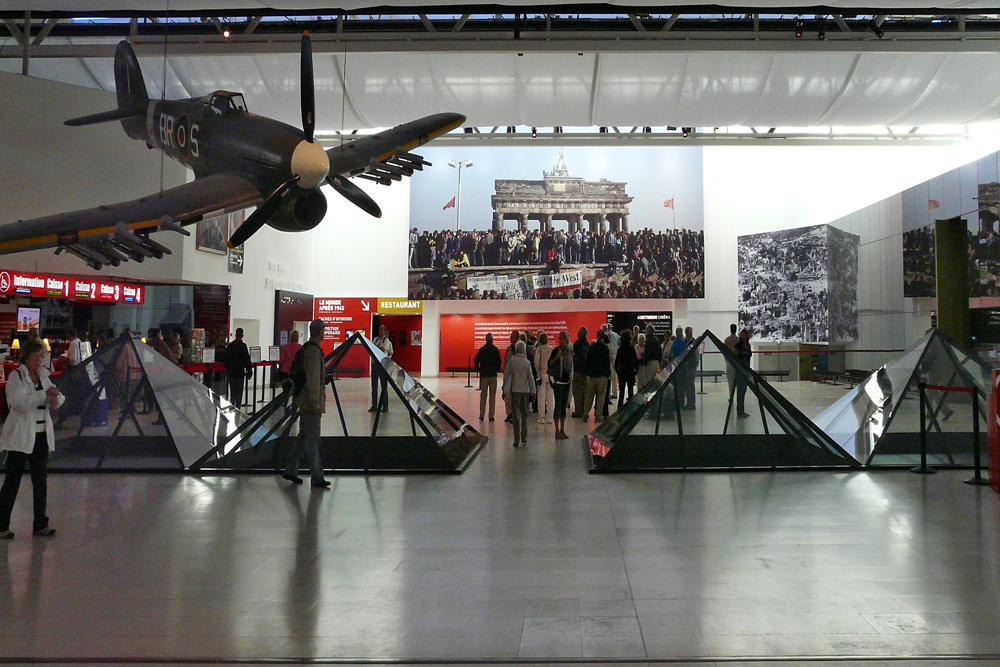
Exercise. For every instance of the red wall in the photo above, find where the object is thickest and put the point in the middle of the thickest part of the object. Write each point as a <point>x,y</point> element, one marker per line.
<point>463,335</point>
<point>404,352</point>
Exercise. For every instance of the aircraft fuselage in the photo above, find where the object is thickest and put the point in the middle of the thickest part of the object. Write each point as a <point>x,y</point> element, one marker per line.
<point>210,136</point>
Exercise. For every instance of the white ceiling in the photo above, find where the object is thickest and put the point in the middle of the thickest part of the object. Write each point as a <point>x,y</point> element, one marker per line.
<point>735,86</point>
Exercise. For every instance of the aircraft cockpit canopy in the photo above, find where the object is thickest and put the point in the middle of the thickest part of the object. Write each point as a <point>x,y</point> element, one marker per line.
<point>225,102</point>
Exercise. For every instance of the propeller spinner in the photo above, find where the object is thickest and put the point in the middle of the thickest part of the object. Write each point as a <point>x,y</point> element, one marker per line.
<point>310,164</point>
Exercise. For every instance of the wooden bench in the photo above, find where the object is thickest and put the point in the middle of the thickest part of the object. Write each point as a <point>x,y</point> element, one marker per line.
<point>854,376</point>
<point>715,375</point>
<point>821,376</point>
<point>459,369</point>
<point>781,375</point>
<point>353,372</point>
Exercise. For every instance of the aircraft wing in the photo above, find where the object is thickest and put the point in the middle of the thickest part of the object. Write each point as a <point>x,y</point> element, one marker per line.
<point>385,157</point>
<point>110,234</point>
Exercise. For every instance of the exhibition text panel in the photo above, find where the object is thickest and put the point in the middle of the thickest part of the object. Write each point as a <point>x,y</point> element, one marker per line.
<point>463,335</point>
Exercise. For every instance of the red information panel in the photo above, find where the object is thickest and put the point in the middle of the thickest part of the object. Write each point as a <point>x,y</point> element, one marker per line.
<point>343,317</point>
<point>16,283</point>
<point>463,335</point>
<point>993,429</point>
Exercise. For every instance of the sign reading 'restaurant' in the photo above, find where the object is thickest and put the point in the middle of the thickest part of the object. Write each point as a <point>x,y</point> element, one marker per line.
<point>16,283</point>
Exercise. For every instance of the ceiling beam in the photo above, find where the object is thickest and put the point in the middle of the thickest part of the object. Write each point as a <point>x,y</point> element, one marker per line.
<point>681,42</point>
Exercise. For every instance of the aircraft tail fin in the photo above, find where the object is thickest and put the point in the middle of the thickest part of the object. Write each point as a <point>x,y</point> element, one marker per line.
<point>132,97</point>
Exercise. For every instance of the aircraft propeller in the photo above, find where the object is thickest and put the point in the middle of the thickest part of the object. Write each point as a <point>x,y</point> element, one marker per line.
<point>310,164</point>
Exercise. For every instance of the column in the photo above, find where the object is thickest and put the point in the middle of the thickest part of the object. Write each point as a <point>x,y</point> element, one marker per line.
<point>952,278</point>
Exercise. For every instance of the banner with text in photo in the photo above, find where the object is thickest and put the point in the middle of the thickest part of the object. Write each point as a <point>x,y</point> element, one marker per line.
<point>463,335</point>
<point>628,219</point>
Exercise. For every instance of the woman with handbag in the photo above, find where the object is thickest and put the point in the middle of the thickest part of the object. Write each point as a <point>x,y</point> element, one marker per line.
<point>28,436</point>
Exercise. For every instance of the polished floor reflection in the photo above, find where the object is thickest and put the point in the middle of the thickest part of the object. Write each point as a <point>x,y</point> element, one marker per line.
<point>523,557</point>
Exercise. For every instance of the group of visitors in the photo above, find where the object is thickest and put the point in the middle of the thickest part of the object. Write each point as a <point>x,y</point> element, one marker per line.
<point>589,373</point>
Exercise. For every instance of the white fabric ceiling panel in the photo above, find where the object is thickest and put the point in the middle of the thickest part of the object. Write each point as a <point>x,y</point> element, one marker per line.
<point>630,86</point>
<point>882,87</point>
<point>699,89</point>
<point>387,88</point>
<point>800,88</point>
<point>965,87</point>
<point>553,89</point>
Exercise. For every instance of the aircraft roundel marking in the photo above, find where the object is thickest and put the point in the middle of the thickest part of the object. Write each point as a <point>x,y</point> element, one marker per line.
<point>181,134</point>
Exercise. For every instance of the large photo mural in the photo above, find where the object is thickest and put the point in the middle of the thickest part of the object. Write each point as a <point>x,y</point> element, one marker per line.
<point>971,192</point>
<point>553,223</point>
<point>799,285</point>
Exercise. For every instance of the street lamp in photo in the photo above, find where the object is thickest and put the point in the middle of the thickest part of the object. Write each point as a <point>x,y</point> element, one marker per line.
<point>458,198</point>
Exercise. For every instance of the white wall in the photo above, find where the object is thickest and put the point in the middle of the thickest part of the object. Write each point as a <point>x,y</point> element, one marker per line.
<point>749,190</point>
<point>47,168</point>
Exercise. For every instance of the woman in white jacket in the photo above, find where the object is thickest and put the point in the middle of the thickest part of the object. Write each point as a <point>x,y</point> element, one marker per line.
<point>28,437</point>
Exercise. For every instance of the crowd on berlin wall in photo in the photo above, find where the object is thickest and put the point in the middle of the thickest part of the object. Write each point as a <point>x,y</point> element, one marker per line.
<point>782,286</point>
<point>918,263</point>
<point>637,264</point>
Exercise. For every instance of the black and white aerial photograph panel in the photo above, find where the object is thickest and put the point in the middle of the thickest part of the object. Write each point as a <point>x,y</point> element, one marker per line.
<point>785,283</point>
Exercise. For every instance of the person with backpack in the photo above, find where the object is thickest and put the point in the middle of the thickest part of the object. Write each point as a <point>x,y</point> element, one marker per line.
<point>308,377</point>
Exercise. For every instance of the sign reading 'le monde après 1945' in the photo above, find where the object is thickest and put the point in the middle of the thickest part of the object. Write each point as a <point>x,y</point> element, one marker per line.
<point>17,283</point>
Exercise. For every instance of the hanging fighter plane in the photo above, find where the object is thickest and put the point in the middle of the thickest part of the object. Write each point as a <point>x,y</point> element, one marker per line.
<point>239,160</point>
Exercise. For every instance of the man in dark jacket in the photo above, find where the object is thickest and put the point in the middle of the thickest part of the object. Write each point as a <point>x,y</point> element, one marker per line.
<point>487,364</point>
<point>580,347</point>
<point>238,368</point>
<point>597,367</point>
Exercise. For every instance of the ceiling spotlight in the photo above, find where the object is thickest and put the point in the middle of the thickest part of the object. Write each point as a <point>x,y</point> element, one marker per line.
<point>821,31</point>
<point>225,33</point>
<point>534,132</point>
<point>685,131</point>
<point>798,28</point>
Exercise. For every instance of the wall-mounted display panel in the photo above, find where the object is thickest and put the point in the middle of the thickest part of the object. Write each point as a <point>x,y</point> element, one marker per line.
<point>799,285</point>
<point>553,223</point>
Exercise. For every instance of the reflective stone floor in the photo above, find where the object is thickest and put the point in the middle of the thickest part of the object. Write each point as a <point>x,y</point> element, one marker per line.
<point>524,558</point>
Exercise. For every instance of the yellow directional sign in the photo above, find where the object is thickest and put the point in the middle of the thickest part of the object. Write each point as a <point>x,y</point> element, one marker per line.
<point>400,307</point>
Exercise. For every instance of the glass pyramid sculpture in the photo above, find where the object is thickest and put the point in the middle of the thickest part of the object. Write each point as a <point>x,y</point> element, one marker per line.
<point>653,432</point>
<point>878,421</point>
<point>128,407</point>
<point>411,429</point>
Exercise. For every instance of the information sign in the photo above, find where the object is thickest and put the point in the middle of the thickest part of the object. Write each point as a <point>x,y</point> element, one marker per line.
<point>17,283</point>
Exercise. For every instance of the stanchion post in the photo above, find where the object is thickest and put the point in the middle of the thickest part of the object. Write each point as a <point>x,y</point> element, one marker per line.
<point>922,468</point>
<point>977,478</point>
<point>701,365</point>
<point>468,376</point>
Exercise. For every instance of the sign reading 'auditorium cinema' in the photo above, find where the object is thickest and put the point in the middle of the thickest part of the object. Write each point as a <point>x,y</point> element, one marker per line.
<point>16,283</point>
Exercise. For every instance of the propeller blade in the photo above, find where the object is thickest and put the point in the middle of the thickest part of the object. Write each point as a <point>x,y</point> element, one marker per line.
<point>263,213</point>
<point>306,85</point>
<point>355,195</point>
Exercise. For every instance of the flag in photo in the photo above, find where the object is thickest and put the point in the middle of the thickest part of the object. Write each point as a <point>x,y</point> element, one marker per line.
<point>669,203</point>
<point>933,204</point>
<point>450,204</point>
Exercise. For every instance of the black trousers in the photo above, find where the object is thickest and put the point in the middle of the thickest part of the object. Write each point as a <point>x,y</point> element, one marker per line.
<point>16,461</point>
<point>236,385</point>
